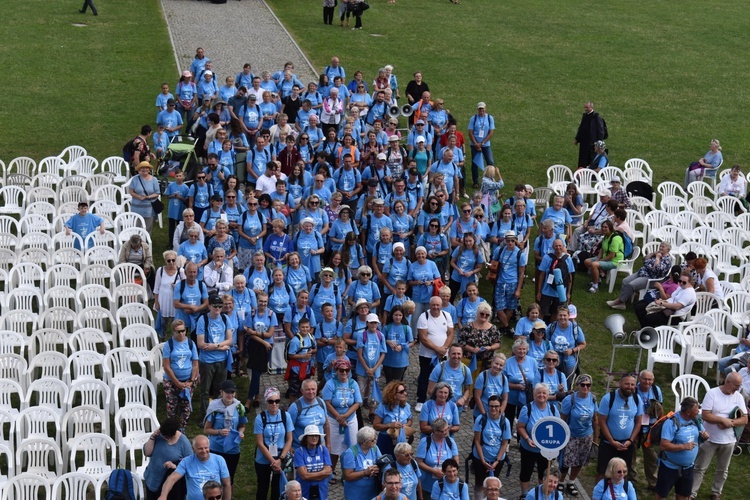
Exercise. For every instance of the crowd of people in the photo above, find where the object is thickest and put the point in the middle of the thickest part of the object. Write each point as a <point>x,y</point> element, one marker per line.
<point>320,237</point>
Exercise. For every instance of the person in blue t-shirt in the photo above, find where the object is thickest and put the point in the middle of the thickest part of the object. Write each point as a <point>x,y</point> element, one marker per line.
<point>455,374</point>
<point>681,436</point>
<point>433,450</point>
<point>191,298</point>
<point>273,433</point>
<point>450,486</point>
<point>399,340</point>
<point>491,382</point>
<point>180,372</point>
<point>225,425</point>
<point>578,409</point>
<point>491,437</point>
<point>466,261</point>
<point>370,355</point>
<point>481,130</point>
<point>177,193</point>
<point>214,341</point>
<point>197,469</point>
<point>312,463</point>
<point>533,411</point>
<point>619,424</point>
<point>511,266</point>
<point>360,470</point>
<point>84,223</point>
<point>567,338</point>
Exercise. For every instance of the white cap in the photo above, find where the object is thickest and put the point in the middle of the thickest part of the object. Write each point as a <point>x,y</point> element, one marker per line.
<point>373,318</point>
<point>420,139</point>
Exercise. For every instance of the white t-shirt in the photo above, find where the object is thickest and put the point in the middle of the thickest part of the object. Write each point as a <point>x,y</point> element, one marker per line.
<point>437,330</point>
<point>720,405</point>
<point>266,185</point>
<point>685,296</point>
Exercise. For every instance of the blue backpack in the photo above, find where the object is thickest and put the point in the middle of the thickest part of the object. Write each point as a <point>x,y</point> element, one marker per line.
<point>120,485</point>
<point>627,243</point>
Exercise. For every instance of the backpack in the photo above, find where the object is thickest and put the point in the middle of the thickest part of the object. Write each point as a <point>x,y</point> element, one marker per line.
<point>552,408</point>
<point>298,404</point>
<point>612,394</point>
<point>559,376</point>
<point>449,440</point>
<point>484,419</point>
<point>282,413</point>
<point>120,485</point>
<point>553,327</point>
<point>464,370</point>
<point>560,264</point>
<point>606,130</point>
<point>201,286</point>
<point>607,484</point>
<point>204,317</point>
<point>539,488</point>
<point>316,290</point>
<point>461,485</point>
<point>286,345</point>
<point>627,243</point>
<point>129,149</point>
<point>171,344</point>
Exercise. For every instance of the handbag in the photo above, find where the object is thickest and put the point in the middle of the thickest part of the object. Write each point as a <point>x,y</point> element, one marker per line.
<point>493,272</point>
<point>437,284</point>
<point>653,307</point>
<point>157,204</point>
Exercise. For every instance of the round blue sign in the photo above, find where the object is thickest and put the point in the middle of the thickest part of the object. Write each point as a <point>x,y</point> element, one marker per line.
<point>550,435</point>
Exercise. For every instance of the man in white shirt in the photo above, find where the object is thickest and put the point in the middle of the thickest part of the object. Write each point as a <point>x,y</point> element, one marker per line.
<point>720,417</point>
<point>266,183</point>
<point>435,330</point>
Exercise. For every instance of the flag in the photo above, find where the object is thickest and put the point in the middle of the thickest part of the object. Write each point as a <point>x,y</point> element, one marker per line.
<point>478,159</point>
<point>473,363</point>
<point>231,440</point>
<point>282,481</point>
<point>401,436</point>
<point>376,394</point>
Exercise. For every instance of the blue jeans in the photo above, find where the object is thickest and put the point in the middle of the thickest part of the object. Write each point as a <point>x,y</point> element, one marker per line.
<point>728,364</point>
<point>488,160</point>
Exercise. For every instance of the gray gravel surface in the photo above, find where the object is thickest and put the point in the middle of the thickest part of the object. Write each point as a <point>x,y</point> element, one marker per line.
<point>233,34</point>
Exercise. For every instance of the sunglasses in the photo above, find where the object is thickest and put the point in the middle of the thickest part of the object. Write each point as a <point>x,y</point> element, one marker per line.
<point>180,331</point>
<point>315,202</point>
<point>217,306</point>
<point>466,211</point>
<point>217,497</point>
<point>344,370</point>
<point>684,282</point>
<point>365,274</point>
<point>403,391</point>
<point>494,406</point>
<point>201,177</point>
<point>479,216</point>
<point>170,260</point>
<point>484,315</point>
<point>273,401</point>
<point>434,225</point>
<point>231,197</point>
<point>252,204</point>
<point>585,385</point>
<point>551,360</point>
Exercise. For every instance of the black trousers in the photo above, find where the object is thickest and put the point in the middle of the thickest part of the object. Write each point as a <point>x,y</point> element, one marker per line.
<point>328,15</point>
<point>87,4</point>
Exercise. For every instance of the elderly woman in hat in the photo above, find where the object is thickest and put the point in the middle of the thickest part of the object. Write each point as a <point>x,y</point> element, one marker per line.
<point>224,424</point>
<point>138,252</point>
<point>342,397</point>
<point>312,461</point>
<point>310,245</point>
<point>144,188</point>
<point>600,157</point>
<point>273,437</point>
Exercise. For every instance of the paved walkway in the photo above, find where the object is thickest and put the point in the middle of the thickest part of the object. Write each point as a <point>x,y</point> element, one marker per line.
<point>267,46</point>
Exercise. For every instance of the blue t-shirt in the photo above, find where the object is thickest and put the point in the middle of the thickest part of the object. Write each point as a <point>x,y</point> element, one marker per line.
<point>214,331</point>
<point>304,414</point>
<point>481,126</point>
<point>235,416</point>
<point>294,315</point>
<point>262,323</point>
<point>530,420</point>
<point>466,261</point>
<point>300,346</point>
<point>409,478</point>
<point>493,435</point>
<point>368,291</point>
<point>435,456</point>
<point>513,372</point>
<point>423,272</point>
<point>621,418</point>
<point>546,267</point>
<point>402,335</point>
<point>561,218</point>
<point>450,491</point>
<point>448,411</point>
<point>281,299</point>
<point>688,432</point>
<point>457,378</point>
<point>367,487</point>
<point>601,491</point>
<point>274,434</point>
<point>342,396</point>
<point>176,206</point>
<point>164,452</point>
<point>197,473</point>
<point>180,358</point>
<point>565,338</point>
<point>314,460</point>
<point>490,385</point>
<point>84,225</point>
<point>466,311</point>
<point>319,295</point>
<point>192,295</point>
<point>373,346</point>
<point>581,413</point>
<point>326,330</point>
<point>509,261</point>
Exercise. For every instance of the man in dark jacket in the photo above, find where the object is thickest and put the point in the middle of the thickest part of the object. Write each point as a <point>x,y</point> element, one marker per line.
<point>590,130</point>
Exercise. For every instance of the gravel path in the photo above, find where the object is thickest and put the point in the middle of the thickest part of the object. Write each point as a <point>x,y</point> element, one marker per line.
<point>233,34</point>
<point>271,46</point>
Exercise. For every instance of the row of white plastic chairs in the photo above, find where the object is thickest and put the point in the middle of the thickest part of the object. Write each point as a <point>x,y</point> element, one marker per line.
<point>73,160</point>
<point>57,190</point>
<point>586,179</point>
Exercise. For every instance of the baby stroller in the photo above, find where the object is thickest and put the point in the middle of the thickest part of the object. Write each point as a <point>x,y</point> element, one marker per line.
<point>180,156</point>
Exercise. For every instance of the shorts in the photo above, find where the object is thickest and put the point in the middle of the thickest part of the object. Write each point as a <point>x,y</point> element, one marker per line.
<point>667,478</point>
<point>505,296</point>
<point>604,265</point>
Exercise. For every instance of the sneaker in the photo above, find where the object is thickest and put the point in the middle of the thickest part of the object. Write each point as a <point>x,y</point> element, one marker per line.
<point>619,307</point>
<point>611,303</point>
<point>418,407</point>
<point>466,196</point>
<point>561,488</point>
<point>594,289</point>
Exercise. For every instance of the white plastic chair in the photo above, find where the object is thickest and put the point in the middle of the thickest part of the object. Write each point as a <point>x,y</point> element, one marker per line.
<point>38,422</point>
<point>81,420</point>
<point>126,273</point>
<point>74,485</point>
<point>730,205</point>
<point>90,393</point>
<point>101,239</point>
<point>668,340</point>
<point>126,233</point>
<point>41,194</point>
<point>705,235</point>
<point>72,194</point>
<point>12,343</point>
<point>705,301</point>
<point>132,423</point>
<point>673,204</point>
<point>608,173</point>
<point>133,390</point>
<point>541,198</point>
<point>96,274</point>
<point>130,293</point>
<point>639,165</point>
<point>700,188</point>
<point>107,210</point>
<point>61,296</point>
<point>117,166</point>
<point>624,266</point>
<point>687,222</point>
<point>98,453</point>
<point>140,338</point>
<point>119,364</point>
<point>12,200</point>
<point>85,365</point>
<point>49,393</point>
<point>655,220</point>
<point>100,254</point>
<point>27,485</point>
<point>736,236</point>
<point>46,365</point>
<point>725,256</point>
<point>90,339</point>
<point>51,165</point>
<point>23,165</point>
<point>95,296</point>
<point>698,337</point>
<point>61,240</point>
<point>19,180</point>
<point>738,304</point>
<point>558,174</point>
<point>133,314</point>
<point>688,385</point>
<point>58,318</point>
<point>726,331</point>
<point>637,225</point>
<point>48,339</point>
<point>112,192</point>
<point>22,322</point>
<point>47,210</point>
<point>25,273</point>
<point>70,154</point>
<point>13,367</point>
<point>9,225</point>
<point>85,166</point>
<point>635,175</point>
<point>8,259</point>
<point>99,318</point>
<point>157,365</point>
<point>11,396</point>
<point>669,188</point>
<point>586,179</point>
<point>10,468</point>
<point>127,220</point>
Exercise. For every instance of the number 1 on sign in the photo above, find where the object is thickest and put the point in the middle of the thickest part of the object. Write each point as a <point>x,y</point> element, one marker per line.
<point>549,428</point>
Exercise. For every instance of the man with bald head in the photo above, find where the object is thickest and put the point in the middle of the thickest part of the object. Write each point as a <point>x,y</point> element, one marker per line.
<point>724,409</point>
<point>200,467</point>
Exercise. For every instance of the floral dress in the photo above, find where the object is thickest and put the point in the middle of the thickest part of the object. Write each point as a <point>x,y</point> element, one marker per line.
<point>476,337</point>
<point>490,196</point>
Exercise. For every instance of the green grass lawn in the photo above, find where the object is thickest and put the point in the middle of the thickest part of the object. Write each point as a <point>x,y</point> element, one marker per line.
<point>667,78</point>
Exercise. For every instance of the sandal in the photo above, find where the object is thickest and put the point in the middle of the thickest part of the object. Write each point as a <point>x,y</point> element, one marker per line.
<point>572,490</point>
<point>333,480</point>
